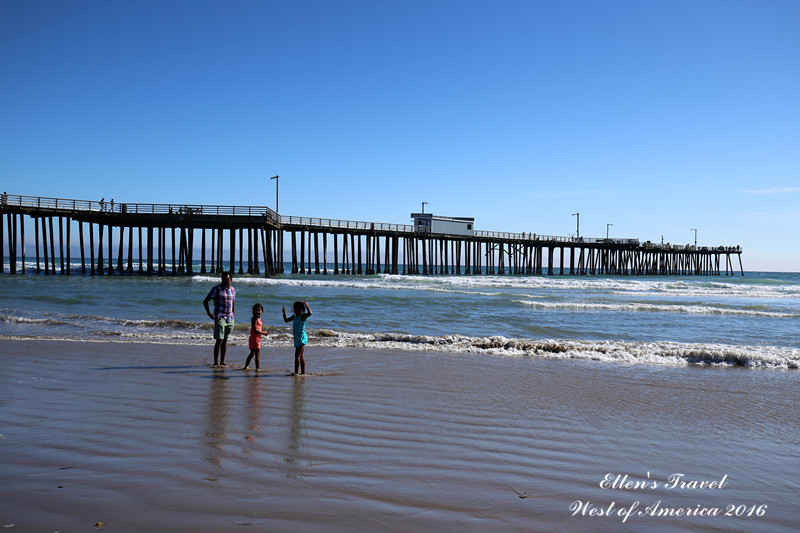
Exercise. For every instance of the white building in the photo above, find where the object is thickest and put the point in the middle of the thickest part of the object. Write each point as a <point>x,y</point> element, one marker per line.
<point>430,223</point>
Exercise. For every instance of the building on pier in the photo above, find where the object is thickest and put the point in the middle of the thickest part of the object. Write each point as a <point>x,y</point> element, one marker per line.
<point>430,223</point>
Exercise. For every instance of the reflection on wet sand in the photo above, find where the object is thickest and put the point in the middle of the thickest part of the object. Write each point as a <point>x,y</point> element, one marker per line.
<point>215,434</point>
<point>296,421</point>
<point>253,425</point>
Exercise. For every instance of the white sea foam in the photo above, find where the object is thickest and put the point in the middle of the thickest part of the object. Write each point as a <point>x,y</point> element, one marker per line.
<point>656,308</point>
<point>610,351</point>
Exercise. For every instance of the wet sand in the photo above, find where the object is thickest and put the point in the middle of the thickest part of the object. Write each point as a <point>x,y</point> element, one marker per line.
<point>139,437</point>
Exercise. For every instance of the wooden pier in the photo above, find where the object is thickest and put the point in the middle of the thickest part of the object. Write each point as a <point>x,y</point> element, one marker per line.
<point>170,239</point>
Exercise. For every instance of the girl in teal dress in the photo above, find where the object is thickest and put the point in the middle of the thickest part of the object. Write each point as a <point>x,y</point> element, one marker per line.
<point>301,313</point>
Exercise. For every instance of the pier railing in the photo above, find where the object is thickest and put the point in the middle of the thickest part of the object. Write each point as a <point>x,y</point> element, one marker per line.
<point>330,223</point>
<point>552,238</point>
<point>102,206</point>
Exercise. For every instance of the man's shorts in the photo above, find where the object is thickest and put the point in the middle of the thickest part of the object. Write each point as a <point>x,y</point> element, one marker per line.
<point>222,328</point>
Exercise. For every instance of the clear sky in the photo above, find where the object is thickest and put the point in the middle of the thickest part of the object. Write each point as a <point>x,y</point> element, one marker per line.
<point>658,117</point>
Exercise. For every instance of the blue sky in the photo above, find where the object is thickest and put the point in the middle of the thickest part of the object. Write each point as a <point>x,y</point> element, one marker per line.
<point>658,117</point>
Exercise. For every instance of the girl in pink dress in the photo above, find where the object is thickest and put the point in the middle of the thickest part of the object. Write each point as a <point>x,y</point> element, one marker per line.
<point>255,337</point>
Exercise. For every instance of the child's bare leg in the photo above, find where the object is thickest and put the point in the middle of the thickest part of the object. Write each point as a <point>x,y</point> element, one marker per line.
<point>258,358</point>
<point>249,358</point>
<point>299,361</point>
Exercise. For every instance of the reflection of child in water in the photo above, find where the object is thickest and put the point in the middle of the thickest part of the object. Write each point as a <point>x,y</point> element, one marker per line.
<point>255,337</point>
<point>301,313</point>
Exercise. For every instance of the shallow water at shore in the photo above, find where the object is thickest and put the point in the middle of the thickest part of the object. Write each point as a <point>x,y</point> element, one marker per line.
<point>145,437</point>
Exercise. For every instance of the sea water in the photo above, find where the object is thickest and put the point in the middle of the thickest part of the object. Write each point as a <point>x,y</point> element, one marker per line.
<point>751,320</point>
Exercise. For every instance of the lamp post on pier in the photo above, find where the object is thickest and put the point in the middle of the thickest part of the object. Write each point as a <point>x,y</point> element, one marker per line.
<point>578,232</point>
<point>695,237</point>
<point>608,226</point>
<point>423,207</point>
<point>276,192</point>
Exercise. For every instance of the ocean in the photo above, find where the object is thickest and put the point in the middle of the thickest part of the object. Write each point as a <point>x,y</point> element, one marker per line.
<point>751,321</point>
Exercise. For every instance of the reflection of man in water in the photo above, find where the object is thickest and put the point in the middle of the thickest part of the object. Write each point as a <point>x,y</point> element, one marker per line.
<point>215,431</point>
<point>224,297</point>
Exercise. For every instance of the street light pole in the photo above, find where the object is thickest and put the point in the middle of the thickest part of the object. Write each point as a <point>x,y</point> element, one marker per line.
<point>578,232</point>
<point>695,237</point>
<point>276,192</point>
<point>423,207</point>
<point>608,226</point>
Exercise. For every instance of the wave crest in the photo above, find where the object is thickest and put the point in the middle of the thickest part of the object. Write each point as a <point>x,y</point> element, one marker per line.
<point>632,352</point>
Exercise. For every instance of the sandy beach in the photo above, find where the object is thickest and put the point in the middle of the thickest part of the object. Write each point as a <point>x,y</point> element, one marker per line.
<point>148,437</point>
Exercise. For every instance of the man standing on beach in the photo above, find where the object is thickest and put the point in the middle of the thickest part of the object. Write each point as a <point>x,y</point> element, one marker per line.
<point>224,297</point>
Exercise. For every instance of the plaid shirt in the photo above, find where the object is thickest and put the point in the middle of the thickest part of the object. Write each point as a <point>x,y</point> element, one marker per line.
<point>223,301</point>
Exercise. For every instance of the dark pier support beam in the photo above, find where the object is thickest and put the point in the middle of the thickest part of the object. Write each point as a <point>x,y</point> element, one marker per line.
<point>159,256</point>
<point>232,239</point>
<point>61,244</point>
<point>325,253</point>
<point>110,250</point>
<point>358,238</point>
<point>100,229</point>
<point>36,244</point>
<point>251,245</point>
<point>241,251</point>
<point>387,261</point>
<point>266,248</point>
<point>121,251</point>
<point>316,252</point>
<point>302,252</point>
<point>212,254</point>
<point>69,244</point>
<point>335,254</point>
<point>12,243</point>
<point>172,249</point>
<point>571,260</point>
<point>141,249</point>
<point>369,259</point>
<point>82,244</point>
<point>202,251</point>
<point>130,249</point>
<point>294,253</point>
<point>377,254</point>
<point>45,253</point>
<point>149,253</point>
<point>22,240</point>
<point>52,245</point>
<point>91,249</point>
<point>353,253</point>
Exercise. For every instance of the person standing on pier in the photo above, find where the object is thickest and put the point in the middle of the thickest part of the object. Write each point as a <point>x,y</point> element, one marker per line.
<point>224,296</point>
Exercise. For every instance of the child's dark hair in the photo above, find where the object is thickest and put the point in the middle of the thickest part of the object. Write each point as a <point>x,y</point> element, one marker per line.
<point>258,306</point>
<point>299,307</point>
